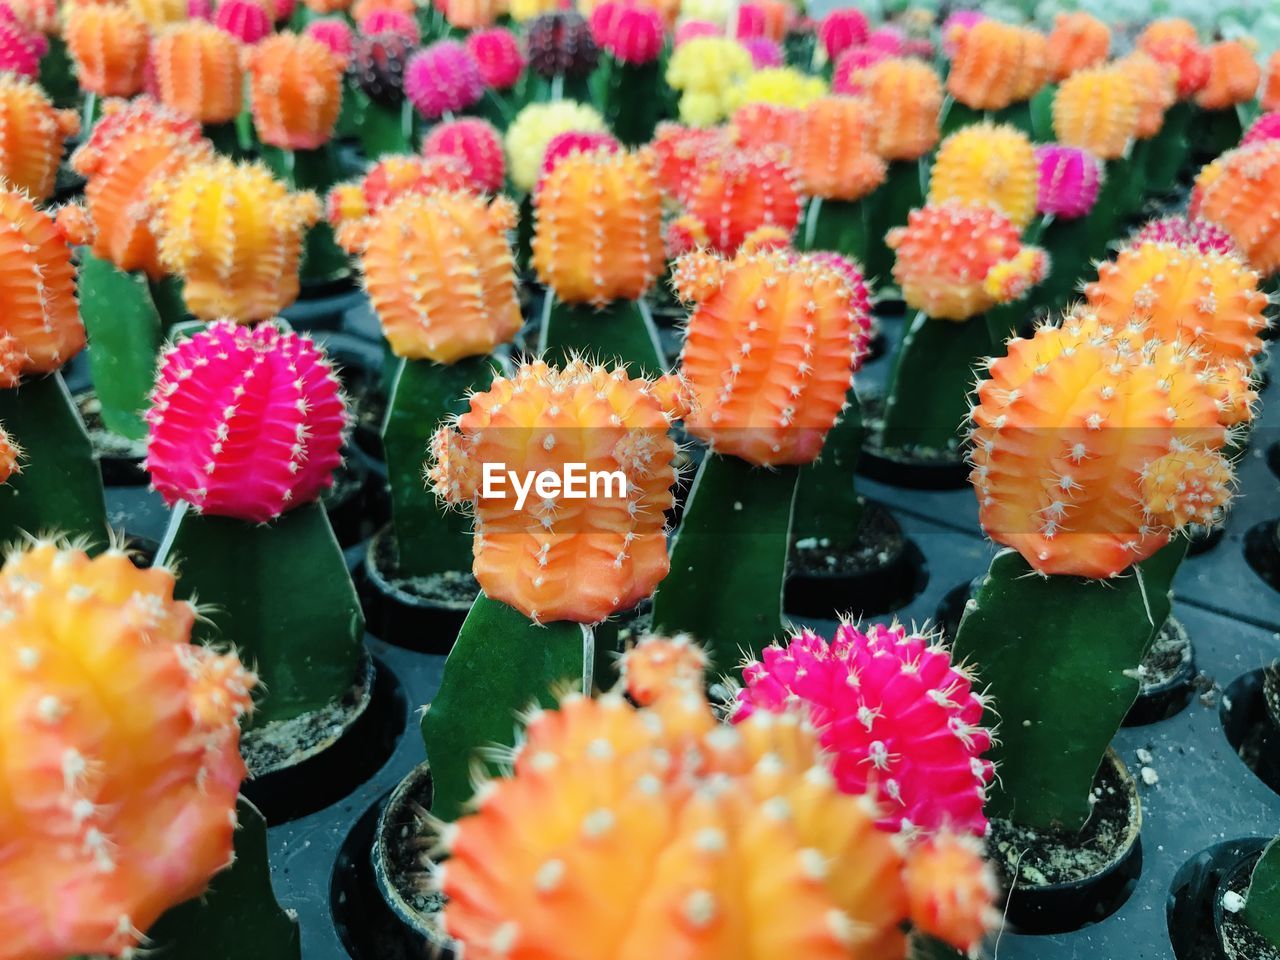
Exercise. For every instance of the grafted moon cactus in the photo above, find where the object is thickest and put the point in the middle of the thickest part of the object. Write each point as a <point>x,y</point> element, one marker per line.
<point>295,91</point>
<point>385,182</point>
<point>198,71</point>
<point>33,134</point>
<point>1269,96</point>
<point>1090,450</point>
<point>950,895</point>
<point>535,126</point>
<point>247,20</point>
<point>990,165</point>
<point>955,261</point>
<point>755,125</point>
<point>443,78</point>
<point>565,559</point>
<point>1097,110</point>
<point>733,192</point>
<point>108,44</point>
<point>897,718</point>
<point>41,328</point>
<point>234,235</point>
<point>122,761</point>
<point>632,34</point>
<point>769,354</point>
<point>499,56</point>
<point>678,150</point>
<point>334,33</point>
<point>474,143</point>
<point>1239,192</point>
<point>1265,127</point>
<point>906,96</point>
<point>1195,236</point>
<point>560,43</point>
<point>10,452</point>
<point>834,154</point>
<point>1069,181</point>
<point>131,149</point>
<point>1155,86</point>
<point>1174,43</point>
<point>752,848</point>
<point>658,666</point>
<point>440,275</point>
<point>841,29</point>
<point>21,47</point>
<point>598,236</point>
<point>1077,40</point>
<point>1234,76</point>
<point>997,64</point>
<point>244,423</point>
<point>781,86</point>
<point>704,70</point>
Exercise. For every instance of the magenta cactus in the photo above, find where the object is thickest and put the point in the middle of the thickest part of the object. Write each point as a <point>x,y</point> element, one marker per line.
<point>752,22</point>
<point>443,78</point>
<point>1069,181</point>
<point>20,48</point>
<point>692,29</point>
<point>842,29</point>
<point>384,20</point>
<point>890,41</point>
<point>200,9</point>
<point>246,20</point>
<point>476,145</point>
<point>334,33</point>
<point>245,422</point>
<point>898,718</point>
<point>561,45</point>
<point>632,34</point>
<point>1199,235</point>
<point>764,52</point>
<point>498,53</point>
<point>1266,127</point>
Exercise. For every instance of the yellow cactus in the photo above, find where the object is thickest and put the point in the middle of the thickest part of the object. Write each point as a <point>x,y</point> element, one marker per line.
<point>988,165</point>
<point>705,71</point>
<point>159,13</point>
<point>536,126</point>
<point>780,86</point>
<point>1097,109</point>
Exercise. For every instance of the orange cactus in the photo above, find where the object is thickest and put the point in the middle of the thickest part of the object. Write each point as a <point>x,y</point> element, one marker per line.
<point>1089,451</point>
<point>565,559</point>
<point>1270,93</point>
<point>327,6</point>
<point>471,14</point>
<point>31,136</point>
<point>769,353</point>
<point>1234,76</point>
<point>234,235</point>
<point>598,236</point>
<point>1156,88</point>
<point>906,97</point>
<point>955,261</point>
<point>1174,43</point>
<point>678,150</point>
<point>1078,40</point>
<point>835,153</point>
<point>988,165</point>
<point>1098,110</point>
<point>109,47</point>
<point>198,71</point>
<point>440,275</point>
<point>40,329</point>
<point>763,125</point>
<point>996,64</point>
<point>951,896</point>
<point>295,90</point>
<point>132,147</point>
<point>656,666</point>
<point>1239,192</point>
<point>385,182</point>
<point>732,192</point>
<point>38,15</point>
<point>10,452</point>
<point>122,761</point>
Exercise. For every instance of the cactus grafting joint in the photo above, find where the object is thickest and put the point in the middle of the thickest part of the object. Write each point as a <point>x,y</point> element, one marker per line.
<point>198,69</point>
<point>474,143</point>
<point>536,126</point>
<point>733,192</point>
<point>906,96</point>
<point>655,667</point>
<point>109,47</point>
<point>997,64</point>
<point>31,136</point>
<point>1238,192</point>
<point>1078,40</point>
<point>122,762</point>
<point>244,423</point>
<point>1097,109</point>
<point>991,165</point>
<point>443,78</point>
<point>498,54</point>
<point>295,90</point>
<point>1234,76</point>
<point>1070,179</point>
<point>567,559</point>
<point>834,155</point>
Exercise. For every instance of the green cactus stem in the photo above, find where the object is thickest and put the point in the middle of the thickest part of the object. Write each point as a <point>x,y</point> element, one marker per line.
<point>60,488</point>
<point>1066,242</point>
<point>323,261</point>
<point>1059,655</point>
<point>58,74</point>
<point>1262,905</point>
<point>728,560</point>
<point>827,503</point>
<point>1170,149</point>
<point>844,226</point>
<point>630,97</point>
<point>1042,114</point>
<point>384,129</point>
<point>282,594</point>
<point>502,663</point>
<point>1214,132</point>
<point>904,188</point>
<point>239,908</point>
<point>621,332</point>
<point>432,539</point>
<point>955,115</point>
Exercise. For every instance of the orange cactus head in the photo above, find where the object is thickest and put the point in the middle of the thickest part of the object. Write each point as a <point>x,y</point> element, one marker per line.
<point>1156,88</point>
<point>760,124</point>
<point>31,146</point>
<point>598,236</point>
<point>198,71</point>
<point>769,354</point>
<point>296,90</point>
<point>988,165</point>
<point>41,320</point>
<point>657,666</point>
<point>440,275</point>
<point>1097,109</point>
<point>565,559</point>
<point>122,761</point>
<point>1270,95</point>
<point>952,891</point>
<point>108,45</point>
<point>1234,76</point>
<point>906,98</point>
<point>234,235</point>
<point>678,150</point>
<point>734,191</point>
<point>1081,434</point>
<point>835,153</point>
<point>996,64</point>
<point>1240,192</point>
<point>40,16</point>
<point>10,452</point>
<point>1206,298</point>
<point>1078,40</point>
<point>1174,43</point>
<point>954,261</point>
<point>131,148</point>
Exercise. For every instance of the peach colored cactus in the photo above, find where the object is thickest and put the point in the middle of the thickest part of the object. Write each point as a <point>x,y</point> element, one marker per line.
<point>990,165</point>
<point>657,666</point>
<point>734,191</point>
<point>295,90</point>
<point>996,64</point>
<point>108,45</point>
<point>1234,75</point>
<point>951,895</point>
<point>906,97</point>
<point>1097,109</point>
<point>198,71</point>
<point>834,150</point>
<point>1156,88</point>
<point>1078,40</point>
<point>1174,43</point>
<point>763,125</point>
<point>1238,192</point>
<point>32,136</point>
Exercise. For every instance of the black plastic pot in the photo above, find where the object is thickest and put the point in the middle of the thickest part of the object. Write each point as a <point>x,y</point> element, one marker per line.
<point>357,504</point>
<point>1163,696</point>
<point>902,468</point>
<point>119,460</point>
<point>1195,914</point>
<point>323,307</point>
<point>1262,551</point>
<point>397,615</point>
<point>1252,727</point>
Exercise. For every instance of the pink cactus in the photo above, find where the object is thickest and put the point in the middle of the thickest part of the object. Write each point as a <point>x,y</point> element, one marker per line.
<point>1199,235</point>
<point>246,20</point>
<point>1266,127</point>
<point>574,141</point>
<point>633,34</point>
<point>842,29</point>
<point>692,29</point>
<point>200,9</point>
<point>897,716</point>
<point>443,78</point>
<point>334,33</point>
<point>764,52</point>
<point>752,22</point>
<point>1069,181</point>
<point>245,422</point>
<point>499,55</point>
<point>20,48</point>
<point>475,144</point>
<point>386,20</point>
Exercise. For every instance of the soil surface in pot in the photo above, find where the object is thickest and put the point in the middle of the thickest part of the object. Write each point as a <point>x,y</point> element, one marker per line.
<point>872,417</point>
<point>449,587</point>
<point>1169,653</point>
<point>347,481</point>
<point>1239,940</point>
<point>407,843</point>
<point>880,542</point>
<point>106,443</point>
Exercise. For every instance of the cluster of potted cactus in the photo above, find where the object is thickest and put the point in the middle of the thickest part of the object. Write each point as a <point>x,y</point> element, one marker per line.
<point>580,302</point>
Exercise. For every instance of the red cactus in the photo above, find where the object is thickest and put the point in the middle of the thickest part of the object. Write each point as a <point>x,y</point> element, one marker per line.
<point>734,191</point>
<point>476,145</point>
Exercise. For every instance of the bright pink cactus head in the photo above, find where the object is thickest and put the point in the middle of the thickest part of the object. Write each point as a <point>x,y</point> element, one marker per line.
<point>474,143</point>
<point>245,422</point>
<point>842,29</point>
<point>334,33</point>
<point>898,718</point>
<point>764,52</point>
<point>1069,180</point>
<point>1266,127</point>
<point>200,9</point>
<point>442,78</point>
<point>752,22</point>
<point>633,34</point>
<point>20,48</point>
<point>246,20</point>
<point>499,55</point>
<point>692,29</point>
<point>574,141</point>
<point>1198,235</point>
<point>846,76</point>
<point>387,20</point>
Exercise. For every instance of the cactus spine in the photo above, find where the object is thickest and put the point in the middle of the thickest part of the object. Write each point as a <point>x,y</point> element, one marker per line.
<point>31,136</point>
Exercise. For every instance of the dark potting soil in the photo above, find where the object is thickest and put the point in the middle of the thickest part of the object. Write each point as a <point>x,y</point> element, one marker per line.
<point>105,442</point>
<point>1168,654</point>
<point>1037,858</point>
<point>347,481</point>
<point>451,586</point>
<point>880,541</point>
<point>407,846</point>
<point>872,418</point>
<point>368,409</point>
<point>1239,940</point>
